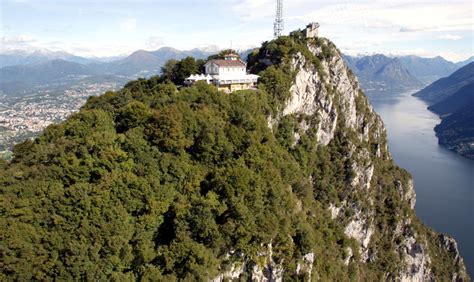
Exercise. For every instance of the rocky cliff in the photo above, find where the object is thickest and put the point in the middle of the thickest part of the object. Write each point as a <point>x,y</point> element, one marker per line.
<point>326,100</point>
<point>293,181</point>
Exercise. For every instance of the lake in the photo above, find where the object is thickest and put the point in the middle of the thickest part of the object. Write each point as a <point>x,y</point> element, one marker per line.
<point>444,181</point>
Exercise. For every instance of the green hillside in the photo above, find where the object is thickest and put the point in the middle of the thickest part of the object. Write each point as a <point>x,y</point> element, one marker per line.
<point>156,183</point>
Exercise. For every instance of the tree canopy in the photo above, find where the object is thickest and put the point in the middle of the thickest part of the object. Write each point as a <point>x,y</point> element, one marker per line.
<point>155,183</point>
<point>177,71</point>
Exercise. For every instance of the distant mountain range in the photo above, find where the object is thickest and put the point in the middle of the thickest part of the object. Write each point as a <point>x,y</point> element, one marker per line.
<point>19,57</point>
<point>146,63</point>
<point>382,73</point>
<point>45,67</point>
<point>44,71</point>
<point>453,99</point>
<point>445,87</point>
<point>428,70</point>
<point>20,69</point>
<point>16,80</point>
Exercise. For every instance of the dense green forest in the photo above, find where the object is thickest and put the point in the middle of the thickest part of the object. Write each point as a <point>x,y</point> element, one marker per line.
<point>153,182</point>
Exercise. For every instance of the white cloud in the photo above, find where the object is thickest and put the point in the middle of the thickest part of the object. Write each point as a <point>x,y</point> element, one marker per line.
<point>402,16</point>
<point>129,25</point>
<point>354,25</point>
<point>83,48</point>
<point>16,42</point>
<point>374,26</point>
<point>450,37</point>
<point>154,42</point>
<point>252,9</point>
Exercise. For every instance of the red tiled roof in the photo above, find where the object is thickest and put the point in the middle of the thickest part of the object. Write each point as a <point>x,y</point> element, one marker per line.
<point>228,63</point>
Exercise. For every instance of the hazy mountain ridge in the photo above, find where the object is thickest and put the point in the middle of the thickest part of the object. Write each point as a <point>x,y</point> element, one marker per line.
<point>460,99</point>
<point>19,57</point>
<point>141,63</point>
<point>376,72</point>
<point>381,73</point>
<point>43,71</point>
<point>428,70</point>
<point>406,72</point>
<point>465,62</point>
<point>447,86</point>
<point>453,99</point>
<point>147,63</point>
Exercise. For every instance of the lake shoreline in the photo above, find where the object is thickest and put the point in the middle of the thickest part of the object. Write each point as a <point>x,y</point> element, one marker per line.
<point>444,180</point>
<point>453,148</point>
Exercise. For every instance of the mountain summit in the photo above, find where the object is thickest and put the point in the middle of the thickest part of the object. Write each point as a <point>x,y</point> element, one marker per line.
<point>293,181</point>
<point>381,73</point>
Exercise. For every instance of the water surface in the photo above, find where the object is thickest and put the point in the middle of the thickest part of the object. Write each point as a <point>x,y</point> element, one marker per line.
<point>444,181</point>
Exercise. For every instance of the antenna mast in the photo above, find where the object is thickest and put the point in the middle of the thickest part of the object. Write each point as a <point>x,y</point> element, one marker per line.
<point>278,26</point>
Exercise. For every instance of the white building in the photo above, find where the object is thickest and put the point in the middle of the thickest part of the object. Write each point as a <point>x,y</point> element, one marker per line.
<point>229,74</point>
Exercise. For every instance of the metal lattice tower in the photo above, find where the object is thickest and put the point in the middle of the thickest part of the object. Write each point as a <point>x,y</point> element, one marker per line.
<point>278,25</point>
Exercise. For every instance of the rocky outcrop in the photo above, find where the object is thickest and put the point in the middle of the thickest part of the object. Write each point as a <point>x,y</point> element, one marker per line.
<point>306,266</point>
<point>234,272</point>
<point>360,228</point>
<point>416,261</point>
<point>326,100</point>
<point>266,270</point>
<point>325,97</point>
<point>451,246</point>
<point>407,193</point>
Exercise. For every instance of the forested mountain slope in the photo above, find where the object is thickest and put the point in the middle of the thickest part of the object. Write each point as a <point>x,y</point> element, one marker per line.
<point>452,98</point>
<point>460,99</point>
<point>447,86</point>
<point>456,130</point>
<point>292,181</point>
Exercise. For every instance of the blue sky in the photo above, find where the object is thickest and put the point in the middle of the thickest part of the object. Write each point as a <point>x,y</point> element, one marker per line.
<point>109,28</point>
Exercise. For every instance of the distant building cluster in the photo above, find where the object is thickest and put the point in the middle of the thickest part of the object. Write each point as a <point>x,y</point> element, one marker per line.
<point>30,114</point>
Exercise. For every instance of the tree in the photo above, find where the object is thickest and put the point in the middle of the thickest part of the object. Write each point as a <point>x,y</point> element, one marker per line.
<point>168,69</point>
<point>178,71</point>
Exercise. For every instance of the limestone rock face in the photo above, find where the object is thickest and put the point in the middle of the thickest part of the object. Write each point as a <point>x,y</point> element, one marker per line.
<point>451,246</point>
<point>267,271</point>
<point>318,96</point>
<point>326,99</point>
<point>417,261</point>
<point>310,97</point>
